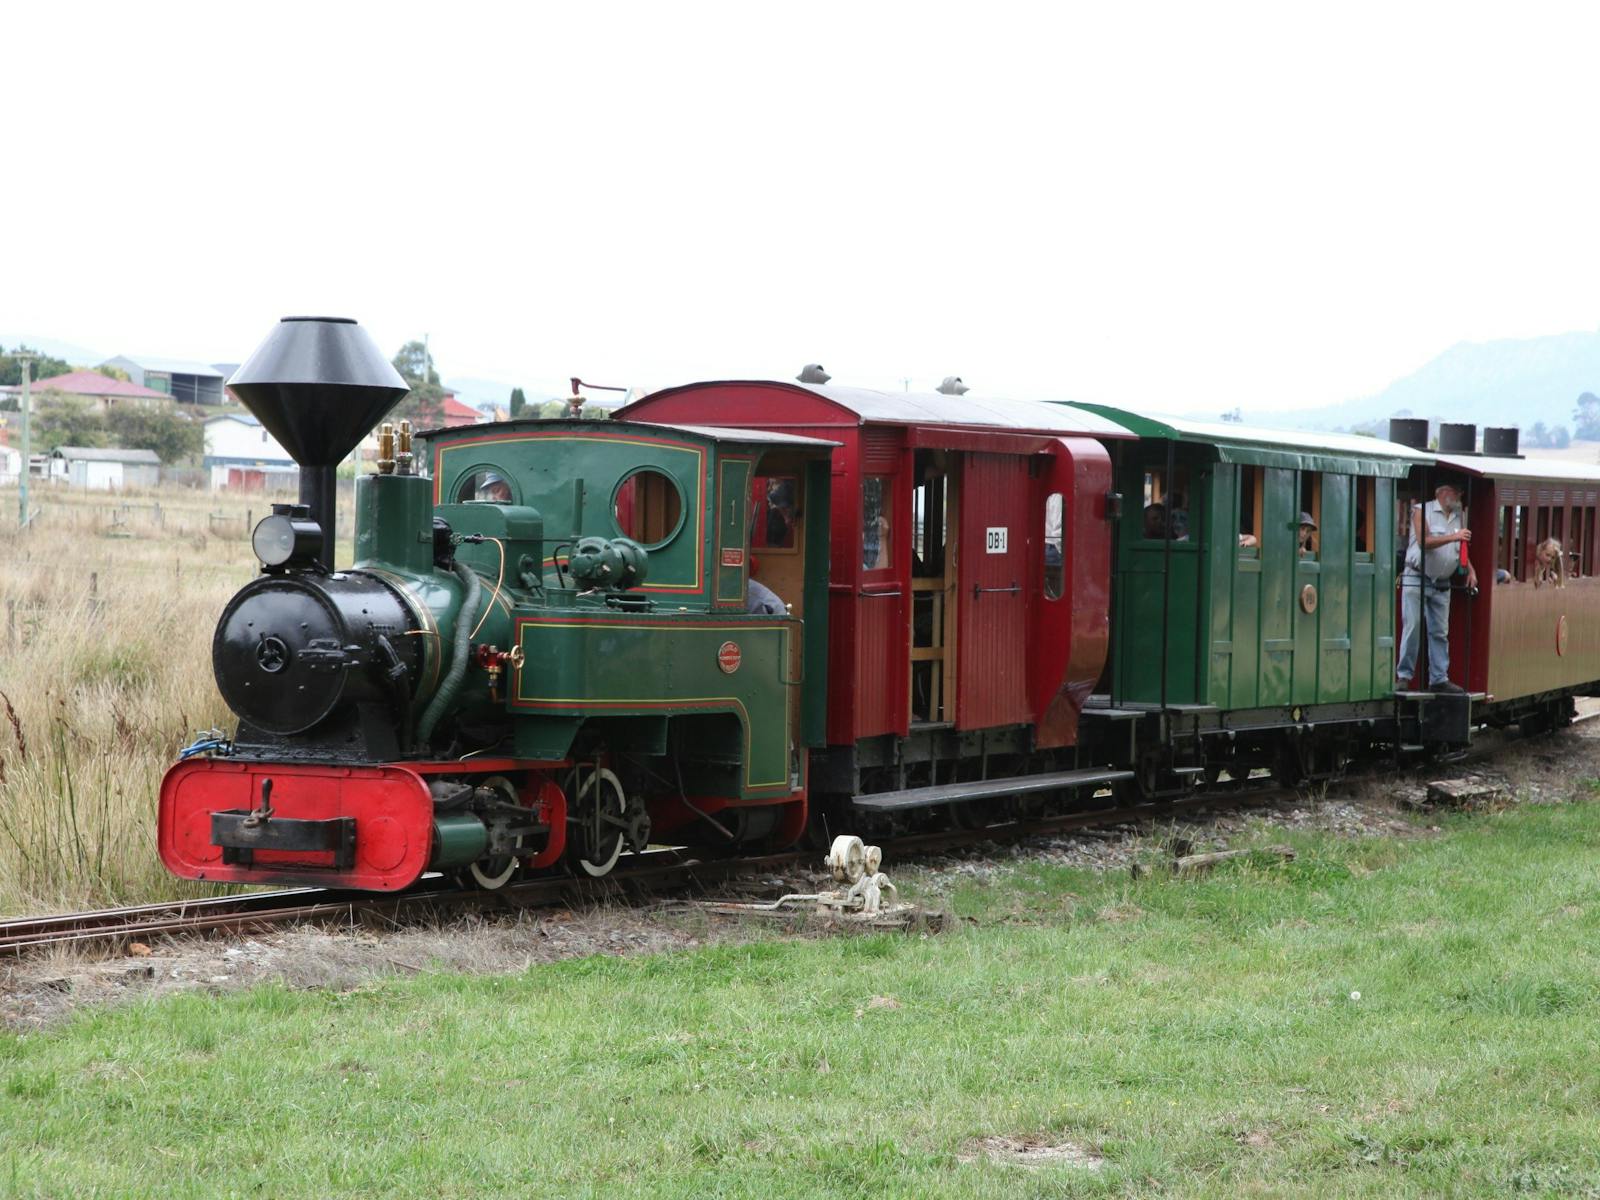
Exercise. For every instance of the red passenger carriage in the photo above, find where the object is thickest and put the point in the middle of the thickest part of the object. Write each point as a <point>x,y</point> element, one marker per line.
<point>970,552</point>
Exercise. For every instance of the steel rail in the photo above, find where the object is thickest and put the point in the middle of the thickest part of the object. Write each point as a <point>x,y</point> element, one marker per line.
<point>654,868</point>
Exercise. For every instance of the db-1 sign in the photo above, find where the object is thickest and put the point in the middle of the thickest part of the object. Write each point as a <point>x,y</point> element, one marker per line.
<point>995,539</point>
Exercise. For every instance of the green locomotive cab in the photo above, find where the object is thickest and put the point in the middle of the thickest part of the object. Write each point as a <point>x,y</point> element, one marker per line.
<point>622,564</point>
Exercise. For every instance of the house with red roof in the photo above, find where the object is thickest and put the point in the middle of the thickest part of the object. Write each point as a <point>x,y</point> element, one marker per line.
<point>102,389</point>
<point>456,413</point>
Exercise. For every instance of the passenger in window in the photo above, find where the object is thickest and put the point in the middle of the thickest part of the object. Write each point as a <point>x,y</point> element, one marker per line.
<point>1308,535</point>
<point>1155,521</point>
<point>1180,525</point>
<point>1248,541</point>
<point>495,491</point>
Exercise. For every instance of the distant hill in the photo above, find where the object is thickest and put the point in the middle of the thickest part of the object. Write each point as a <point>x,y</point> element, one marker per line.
<point>1513,381</point>
<point>78,356</point>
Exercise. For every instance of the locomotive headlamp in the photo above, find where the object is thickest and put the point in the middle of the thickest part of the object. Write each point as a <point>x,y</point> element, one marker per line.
<point>287,538</point>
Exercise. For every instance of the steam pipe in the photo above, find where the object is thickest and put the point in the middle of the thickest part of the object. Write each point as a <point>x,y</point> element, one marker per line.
<point>460,649</point>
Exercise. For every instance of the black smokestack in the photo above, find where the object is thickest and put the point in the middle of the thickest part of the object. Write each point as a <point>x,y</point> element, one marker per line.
<point>318,385</point>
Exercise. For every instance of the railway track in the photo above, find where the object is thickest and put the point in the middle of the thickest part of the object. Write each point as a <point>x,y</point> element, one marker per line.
<point>653,872</point>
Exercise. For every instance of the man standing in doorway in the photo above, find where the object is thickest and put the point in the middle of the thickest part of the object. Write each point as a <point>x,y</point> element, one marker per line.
<point>1433,556</point>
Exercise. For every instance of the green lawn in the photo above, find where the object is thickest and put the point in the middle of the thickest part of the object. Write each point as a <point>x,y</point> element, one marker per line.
<point>1201,1035</point>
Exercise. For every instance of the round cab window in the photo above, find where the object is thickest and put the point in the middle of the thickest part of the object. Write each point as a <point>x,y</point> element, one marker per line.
<point>648,507</point>
<point>490,487</point>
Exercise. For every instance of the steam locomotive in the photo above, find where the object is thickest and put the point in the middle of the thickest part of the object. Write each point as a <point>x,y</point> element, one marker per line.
<point>542,654</point>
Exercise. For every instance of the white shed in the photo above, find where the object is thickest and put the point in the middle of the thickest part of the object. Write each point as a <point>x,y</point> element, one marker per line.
<point>109,468</point>
<point>10,464</point>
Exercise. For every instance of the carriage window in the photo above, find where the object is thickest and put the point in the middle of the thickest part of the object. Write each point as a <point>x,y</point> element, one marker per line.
<point>930,519</point>
<point>484,485</point>
<point>1586,545</point>
<point>1505,541</point>
<point>776,516</point>
<point>648,507</point>
<point>1520,552</point>
<point>1054,568</point>
<point>877,543</point>
<point>1160,500</point>
<point>1366,510</point>
<point>1250,481</point>
<point>1308,535</point>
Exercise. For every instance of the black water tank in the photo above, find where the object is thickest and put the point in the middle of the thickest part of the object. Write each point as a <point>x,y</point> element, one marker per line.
<point>1501,442</point>
<point>1457,438</point>
<point>1409,431</point>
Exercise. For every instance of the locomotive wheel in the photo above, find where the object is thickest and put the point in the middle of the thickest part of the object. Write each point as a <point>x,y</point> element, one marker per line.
<point>597,821</point>
<point>493,873</point>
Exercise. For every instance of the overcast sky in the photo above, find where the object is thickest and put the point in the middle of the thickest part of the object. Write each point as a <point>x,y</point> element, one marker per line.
<point>1198,205</point>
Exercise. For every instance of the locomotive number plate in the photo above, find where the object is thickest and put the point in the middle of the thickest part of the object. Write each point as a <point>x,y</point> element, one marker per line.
<point>994,539</point>
<point>729,657</point>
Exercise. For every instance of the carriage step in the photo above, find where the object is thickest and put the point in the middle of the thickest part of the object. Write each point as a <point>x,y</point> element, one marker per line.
<point>984,789</point>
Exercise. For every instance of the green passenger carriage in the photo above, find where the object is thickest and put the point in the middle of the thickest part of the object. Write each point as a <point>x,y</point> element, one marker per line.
<point>1222,617</point>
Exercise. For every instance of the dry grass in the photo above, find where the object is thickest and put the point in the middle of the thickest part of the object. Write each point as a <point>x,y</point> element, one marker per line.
<point>107,606</point>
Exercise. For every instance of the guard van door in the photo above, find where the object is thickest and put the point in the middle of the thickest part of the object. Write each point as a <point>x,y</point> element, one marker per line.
<point>993,558</point>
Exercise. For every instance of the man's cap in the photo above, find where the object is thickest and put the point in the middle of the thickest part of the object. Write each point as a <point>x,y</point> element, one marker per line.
<point>1305,519</point>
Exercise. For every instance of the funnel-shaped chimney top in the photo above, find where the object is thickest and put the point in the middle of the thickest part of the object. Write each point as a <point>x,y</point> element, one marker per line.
<point>318,385</point>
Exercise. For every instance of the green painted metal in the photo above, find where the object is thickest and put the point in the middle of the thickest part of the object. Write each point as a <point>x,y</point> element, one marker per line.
<point>393,515</point>
<point>517,545</point>
<point>1237,632</point>
<point>570,472</point>
<point>596,665</point>
<point>458,839</point>
<point>1291,449</point>
<point>732,513</point>
<point>675,666</point>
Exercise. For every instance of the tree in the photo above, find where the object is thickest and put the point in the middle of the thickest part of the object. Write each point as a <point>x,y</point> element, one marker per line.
<point>1587,418</point>
<point>415,364</point>
<point>61,419</point>
<point>551,409</point>
<point>518,403</point>
<point>171,434</point>
<point>111,372</point>
<point>1560,439</point>
<point>1538,435</point>
<point>43,367</point>
<point>423,405</point>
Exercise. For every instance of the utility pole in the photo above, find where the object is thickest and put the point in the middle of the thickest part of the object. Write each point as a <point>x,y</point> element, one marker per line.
<point>27,445</point>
